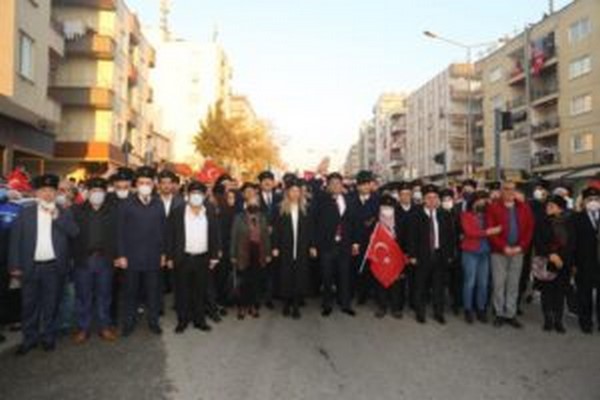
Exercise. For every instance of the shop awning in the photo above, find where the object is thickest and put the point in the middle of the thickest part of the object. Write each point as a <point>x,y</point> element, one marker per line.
<point>588,172</point>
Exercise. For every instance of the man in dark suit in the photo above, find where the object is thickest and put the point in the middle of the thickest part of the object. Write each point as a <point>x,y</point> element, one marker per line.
<point>366,204</point>
<point>94,254</point>
<point>269,205</point>
<point>587,258</point>
<point>431,248</point>
<point>194,248</point>
<point>406,208</point>
<point>141,250</point>
<point>335,234</point>
<point>171,199</point>
<point>38,255</point>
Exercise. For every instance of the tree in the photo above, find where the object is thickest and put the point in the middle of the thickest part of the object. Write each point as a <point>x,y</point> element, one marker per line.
<point>244,145</point>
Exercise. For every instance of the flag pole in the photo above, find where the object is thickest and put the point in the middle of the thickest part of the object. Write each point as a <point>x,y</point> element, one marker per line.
<point>364,260</point>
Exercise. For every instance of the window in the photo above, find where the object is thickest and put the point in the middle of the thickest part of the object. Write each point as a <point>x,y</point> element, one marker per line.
<point>580,66</point>
<point>582,142</point>
<point>579,30</point>
<point>581,104</point>
<point>497,102</point>
<point>496,74</point>
<point>26,61</point>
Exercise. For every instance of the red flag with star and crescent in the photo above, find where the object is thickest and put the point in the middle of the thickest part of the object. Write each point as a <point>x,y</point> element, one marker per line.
<point>210,172</point>
<point>387,260</point>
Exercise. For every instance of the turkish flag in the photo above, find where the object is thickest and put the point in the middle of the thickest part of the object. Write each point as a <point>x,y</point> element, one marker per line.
<point>387,260</point>
<point>18,180</point>
<point>210,172</point>
<point>538,57</point>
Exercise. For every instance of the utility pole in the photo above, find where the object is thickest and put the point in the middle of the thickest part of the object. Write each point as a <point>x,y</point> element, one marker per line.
<point>550,7</point>
<point>528,93</point>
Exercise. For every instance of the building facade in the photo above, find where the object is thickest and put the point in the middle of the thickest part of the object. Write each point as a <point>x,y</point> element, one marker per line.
<point>352,162</point>
<point>548,79</point>
<point>389,122</point>
<point>31,44</point>
<point>202,80</point>
<point>366,145</point>
<point>438,122</point>
<point>104,87</point>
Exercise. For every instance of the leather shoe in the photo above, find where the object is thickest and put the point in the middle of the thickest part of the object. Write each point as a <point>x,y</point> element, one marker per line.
<point>80,337</point>
<point>349,311</point>
<point>24,349</point>
<point>156,329</point>
<point>181,327</point>
<point>440,319</point>
<point>108,334</point>
<point>203,326</point>
<point>326,311</point>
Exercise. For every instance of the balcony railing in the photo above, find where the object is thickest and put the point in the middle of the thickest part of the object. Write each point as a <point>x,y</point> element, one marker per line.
<point>540,93</point>
<point>100,4</point>
<point>546,157</point>
<point>92,45</point>
<point>545,126</point>
<point>95,97</point>
<point>517,102</point>
<point>132,74</point>
<point>518,133</point>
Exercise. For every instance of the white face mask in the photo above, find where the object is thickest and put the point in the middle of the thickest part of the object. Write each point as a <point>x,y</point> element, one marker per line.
<point>447,204</point>
<point>593,206</point>
<point>387,212</point>
<point>396,195</point>
<point>97,198</point>
<point>145,190</point>
<point>196,199</point>
<point>122,193</point>
<point>61,199</point>
<point>538,194</point>
<point>48,205</point>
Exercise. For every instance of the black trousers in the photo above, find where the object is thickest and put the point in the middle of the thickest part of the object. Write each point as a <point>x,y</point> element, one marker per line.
<point>553,297</point>
<point>335,271</point>
<point>430,274</point>
<point>585,296</point>
<point>135,282</point>
<point>363,284</point>
<point>393,297</point>
<point>191,282</point>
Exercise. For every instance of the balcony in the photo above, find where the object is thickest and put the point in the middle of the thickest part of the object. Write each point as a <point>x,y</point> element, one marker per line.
<point>56,39</point>
<point>152,58</point>
<point>135,32</point>
<point>546,128</point>
<point>96,97</point>
<point>132,74</point>
<point>99,4</point>
<point>93,46</point>
<point>546,158</point>
<point>462,71</point>
<point>518,133</point>
<point>132,117</point>
<point>517,102</point>
<point>544,95</point>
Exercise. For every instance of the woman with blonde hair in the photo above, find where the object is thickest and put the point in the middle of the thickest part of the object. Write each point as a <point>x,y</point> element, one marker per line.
<point>293,245</point>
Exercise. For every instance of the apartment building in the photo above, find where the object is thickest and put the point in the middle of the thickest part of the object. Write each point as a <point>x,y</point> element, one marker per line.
<point>548,78</point>
<point>441,115</point>
<point>104,88</point>
<point>389,121</point>
<point>31,45</point>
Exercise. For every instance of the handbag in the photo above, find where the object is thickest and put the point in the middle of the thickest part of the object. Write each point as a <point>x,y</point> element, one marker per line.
<point>540,271</point>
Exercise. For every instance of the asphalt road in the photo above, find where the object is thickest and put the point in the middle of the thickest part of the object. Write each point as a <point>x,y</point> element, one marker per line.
<point>315,358</point>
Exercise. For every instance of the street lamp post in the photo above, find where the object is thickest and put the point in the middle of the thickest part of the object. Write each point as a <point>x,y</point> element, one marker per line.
<point>469,50</point>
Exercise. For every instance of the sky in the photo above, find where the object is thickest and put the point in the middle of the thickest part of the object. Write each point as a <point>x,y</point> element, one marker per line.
<point>315,68</point>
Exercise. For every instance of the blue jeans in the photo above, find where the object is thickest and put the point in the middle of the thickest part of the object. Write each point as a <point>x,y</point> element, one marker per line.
<point>476,275</point>
<point>93,287</point>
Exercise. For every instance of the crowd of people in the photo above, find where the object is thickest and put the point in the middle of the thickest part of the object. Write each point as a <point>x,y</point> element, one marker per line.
<point>98,256</point>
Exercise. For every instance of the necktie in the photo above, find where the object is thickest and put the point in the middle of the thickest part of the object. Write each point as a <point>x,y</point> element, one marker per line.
<point>431,233</point>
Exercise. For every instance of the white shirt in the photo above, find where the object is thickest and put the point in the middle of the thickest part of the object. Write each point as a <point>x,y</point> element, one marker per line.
<point>44,249</point>
<point>594,218</point>
<point>341,203</point>
<point>196,232</point>
<point>364,198</point>
<point>268,198</point>
<point>405,207</point>
<point>167,203</point>
<point>436,233</point>
<point>295,212</point>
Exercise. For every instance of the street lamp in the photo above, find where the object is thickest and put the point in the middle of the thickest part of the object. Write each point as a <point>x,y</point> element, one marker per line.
<point>469,49</point>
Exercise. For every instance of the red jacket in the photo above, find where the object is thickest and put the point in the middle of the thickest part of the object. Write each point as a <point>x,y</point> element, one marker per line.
<point>497,214</point>
<point>472,231</point>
